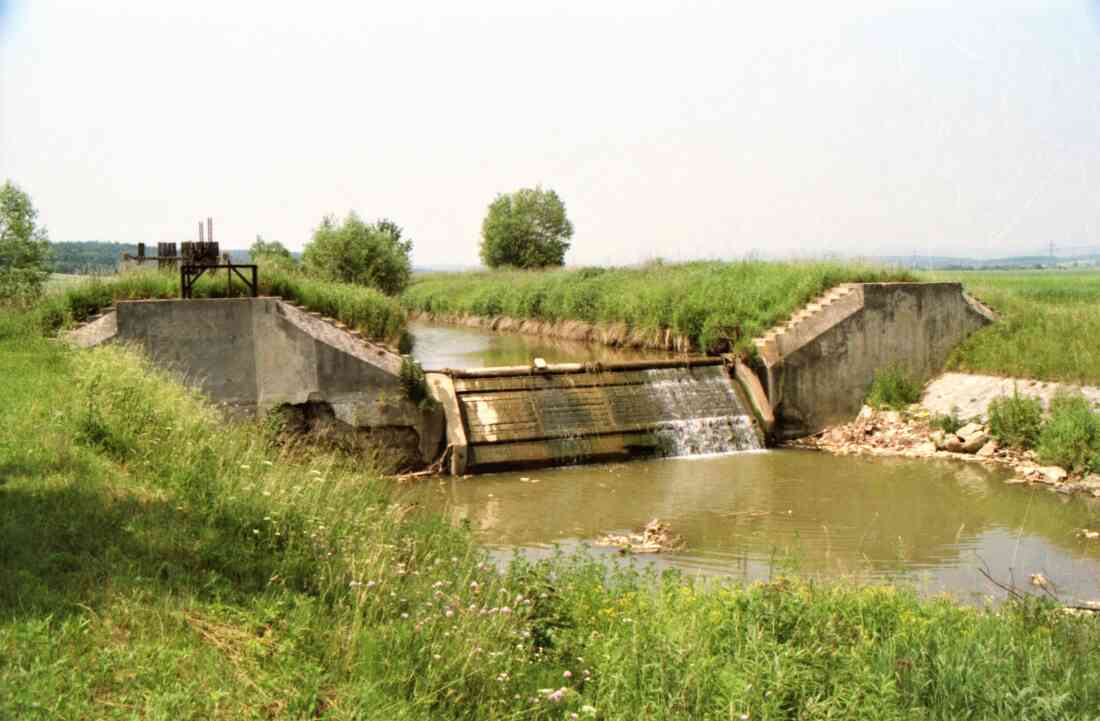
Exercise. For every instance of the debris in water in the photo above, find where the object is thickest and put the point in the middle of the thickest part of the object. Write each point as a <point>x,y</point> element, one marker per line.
<point>1090,535</point>
<point>657,536</point>
<point>1038,579</point>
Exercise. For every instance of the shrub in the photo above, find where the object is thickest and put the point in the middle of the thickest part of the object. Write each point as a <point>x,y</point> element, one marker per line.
<point>950,422</point>
<point>1015,421</point>
<point>525,229</point>
<point>413,383</point>
<point>371,254</point>
<point>1071,436</point>
<point>893,387</point>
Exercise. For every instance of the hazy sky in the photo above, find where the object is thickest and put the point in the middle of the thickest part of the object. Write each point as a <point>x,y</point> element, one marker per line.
<point>673,129</point>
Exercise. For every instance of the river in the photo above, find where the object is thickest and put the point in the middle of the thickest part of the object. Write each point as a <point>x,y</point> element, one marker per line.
<point>932,524</point>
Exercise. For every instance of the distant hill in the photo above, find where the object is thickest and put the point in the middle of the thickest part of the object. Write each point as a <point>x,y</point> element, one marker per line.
<point>935,262</point>
<point>89,256</point>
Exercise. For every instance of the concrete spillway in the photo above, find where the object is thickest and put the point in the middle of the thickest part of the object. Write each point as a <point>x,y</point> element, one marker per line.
<point>570,413</point>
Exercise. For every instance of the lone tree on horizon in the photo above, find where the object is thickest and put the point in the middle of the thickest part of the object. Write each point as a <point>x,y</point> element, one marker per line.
<point>525,229</point>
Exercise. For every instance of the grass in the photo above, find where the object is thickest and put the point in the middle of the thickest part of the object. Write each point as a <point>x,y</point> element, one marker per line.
<point>1070,438</point>
<point>718,305</point>
<point>893,387</point>
<point>365,309</point>
<point>161,564</point>
<point>1016,420</point>
<point>1050,320</point>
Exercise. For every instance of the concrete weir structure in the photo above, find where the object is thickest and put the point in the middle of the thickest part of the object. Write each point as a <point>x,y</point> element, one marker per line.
<point>818,367</point>
<point>257,354</point>
<point>568,413</point>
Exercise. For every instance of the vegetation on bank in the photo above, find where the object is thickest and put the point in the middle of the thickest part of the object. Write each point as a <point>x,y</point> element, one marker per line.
<point>160,564</point>
<point>1069,436</point>
<point>718,305</point>
<point>1048,328</point>
<point>375,315</point>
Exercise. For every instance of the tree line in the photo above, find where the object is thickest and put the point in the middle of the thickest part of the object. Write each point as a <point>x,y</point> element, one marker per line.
<point>526,229</point>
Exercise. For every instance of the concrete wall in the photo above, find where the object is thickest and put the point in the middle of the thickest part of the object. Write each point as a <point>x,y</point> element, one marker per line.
<point>260,353</point>
<point>819,368</point>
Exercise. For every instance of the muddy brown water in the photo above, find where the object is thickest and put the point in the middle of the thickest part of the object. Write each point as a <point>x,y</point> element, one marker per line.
<point>932,524</point>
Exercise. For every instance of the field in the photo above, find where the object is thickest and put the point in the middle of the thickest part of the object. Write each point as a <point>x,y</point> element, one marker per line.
<point>717,305</point>
<point>1049,327</point>
<point>160,564</point>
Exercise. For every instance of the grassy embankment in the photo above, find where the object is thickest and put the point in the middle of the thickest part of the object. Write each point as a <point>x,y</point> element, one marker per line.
<point>715,304</point>
<point>1049,327</point>
<point>377,316</point>
<point>159,564</point>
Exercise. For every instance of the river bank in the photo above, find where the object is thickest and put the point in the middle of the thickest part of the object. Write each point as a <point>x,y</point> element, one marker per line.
<point>163,563</point>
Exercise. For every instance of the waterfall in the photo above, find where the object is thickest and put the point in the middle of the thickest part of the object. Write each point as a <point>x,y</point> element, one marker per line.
<point>702,412</point>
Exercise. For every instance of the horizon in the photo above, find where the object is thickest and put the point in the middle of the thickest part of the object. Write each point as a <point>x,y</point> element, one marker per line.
<point>681,131</point>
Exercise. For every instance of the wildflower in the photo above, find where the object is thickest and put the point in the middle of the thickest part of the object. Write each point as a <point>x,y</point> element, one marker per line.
<point>556,696</point>
<point>404,615</point>
<point>449,613</point>
<point>568,674</point>
<point>505,610</point>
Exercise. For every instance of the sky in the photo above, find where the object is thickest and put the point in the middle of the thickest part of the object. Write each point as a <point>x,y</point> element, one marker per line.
<point>678,130</point>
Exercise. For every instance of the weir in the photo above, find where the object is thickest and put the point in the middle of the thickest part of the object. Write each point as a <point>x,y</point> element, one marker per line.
<point>261,354</point>
<point>524,416</point>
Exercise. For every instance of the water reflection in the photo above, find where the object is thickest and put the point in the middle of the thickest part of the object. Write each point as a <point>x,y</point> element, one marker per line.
<point>439,346</point>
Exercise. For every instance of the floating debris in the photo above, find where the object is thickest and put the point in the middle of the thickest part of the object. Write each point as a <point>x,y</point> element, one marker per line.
<point>657,536</point>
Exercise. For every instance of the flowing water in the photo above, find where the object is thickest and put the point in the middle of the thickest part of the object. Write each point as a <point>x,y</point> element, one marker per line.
<point>935,524</point>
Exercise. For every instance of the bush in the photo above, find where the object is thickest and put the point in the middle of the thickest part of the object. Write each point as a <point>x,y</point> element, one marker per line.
<point>950,422</point>
<point>371,254</point>
<point>1015,421</point>
<point>525,229</point>
<point>1071,436</point>
<point>893,387</point>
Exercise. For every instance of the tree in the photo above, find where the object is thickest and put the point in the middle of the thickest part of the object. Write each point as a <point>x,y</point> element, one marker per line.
<point>371,254</point>
<point>24,246</point>
<point>525,229</point>
<point>269,249</point>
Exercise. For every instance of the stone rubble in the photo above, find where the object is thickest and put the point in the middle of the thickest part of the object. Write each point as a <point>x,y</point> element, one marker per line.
<point>657,536</point>
<point>910,434</point>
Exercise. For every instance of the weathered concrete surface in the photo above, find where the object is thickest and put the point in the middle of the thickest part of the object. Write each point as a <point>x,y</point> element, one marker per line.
<point>819,366</point>
<point>971,394</point>
<point>95,331</point>
<point>261,353</point>
<point>568,413</point>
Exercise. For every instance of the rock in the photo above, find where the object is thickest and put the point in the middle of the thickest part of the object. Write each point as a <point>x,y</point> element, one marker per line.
<point>924,449</point>
<point>969,429</point>
<point>1051,474</point>
<point>952,444</point>
<point>989,449</point>
<point>1091,482</point>
<point>866,412</point>
<point>975,442</point>
<point>937,438</point>
<point>892,417</point>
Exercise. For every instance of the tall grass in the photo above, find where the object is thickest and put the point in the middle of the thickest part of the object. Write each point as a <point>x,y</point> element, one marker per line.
<point>365,309</point>
<point>715,304</point>
<point>158,563</point>
<point>1048,328</point>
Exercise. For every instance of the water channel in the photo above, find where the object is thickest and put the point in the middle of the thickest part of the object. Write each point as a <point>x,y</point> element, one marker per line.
<point>932,524</point>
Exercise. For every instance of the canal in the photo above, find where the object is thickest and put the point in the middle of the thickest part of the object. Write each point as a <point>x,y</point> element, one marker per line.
<point>930,523</point>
